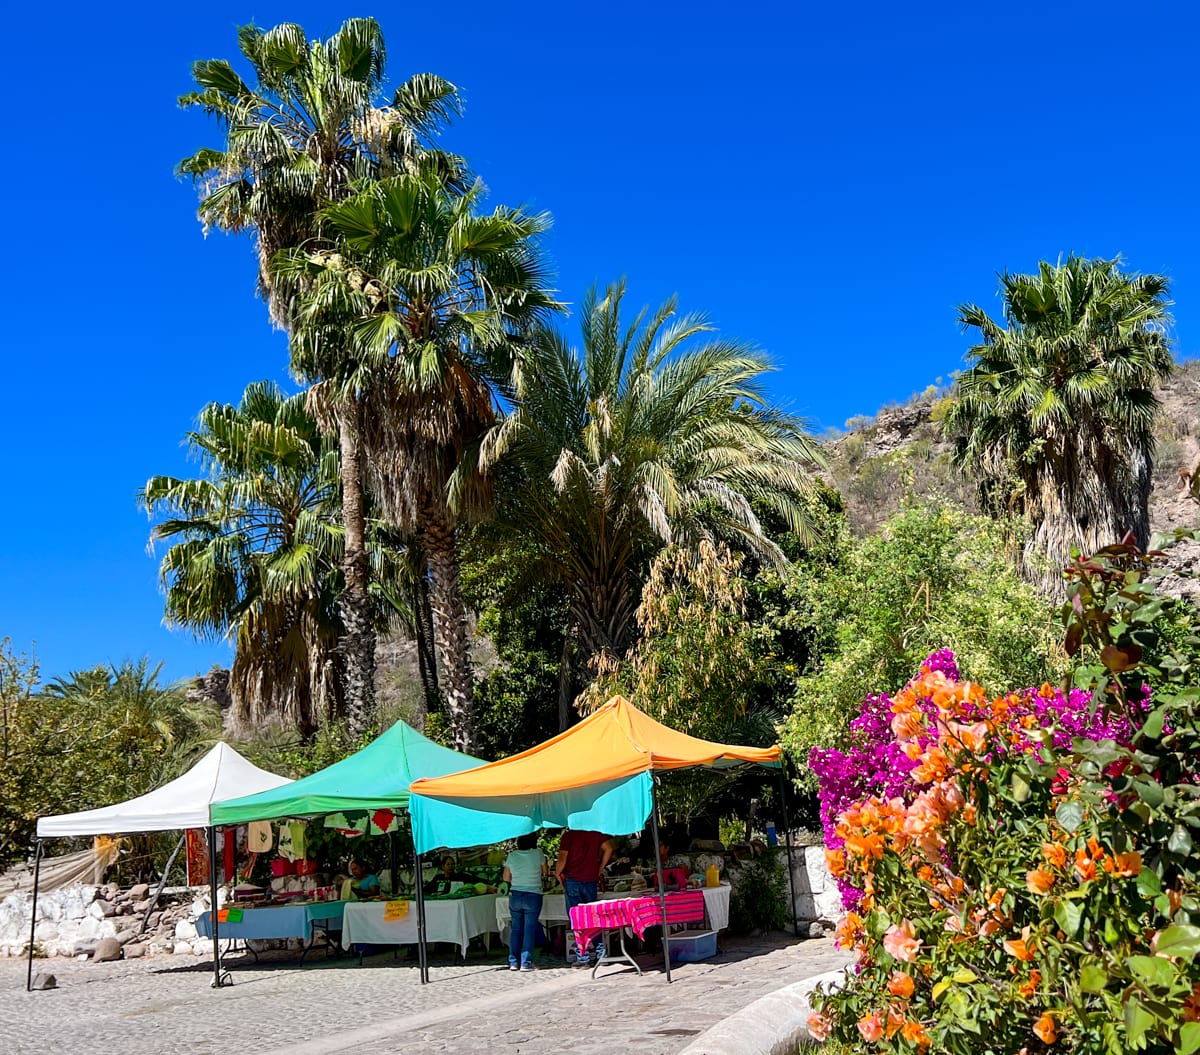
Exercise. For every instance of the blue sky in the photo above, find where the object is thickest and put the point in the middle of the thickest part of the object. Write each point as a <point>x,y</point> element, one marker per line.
<point>828,181</point>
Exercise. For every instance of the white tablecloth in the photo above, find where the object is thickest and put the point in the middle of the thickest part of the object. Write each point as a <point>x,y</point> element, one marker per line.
<point>554,907</point>
<point>456,921</point>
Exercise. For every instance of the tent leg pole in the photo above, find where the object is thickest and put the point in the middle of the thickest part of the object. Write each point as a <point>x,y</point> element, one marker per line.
<point>787,841</point>
<point>37,874</point>
<point>217,981</point>
<point>419,884</point>
<point>658,875</point>
<point>162,882</point>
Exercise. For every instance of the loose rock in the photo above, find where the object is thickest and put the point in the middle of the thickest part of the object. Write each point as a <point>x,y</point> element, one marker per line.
<point>107,949</point>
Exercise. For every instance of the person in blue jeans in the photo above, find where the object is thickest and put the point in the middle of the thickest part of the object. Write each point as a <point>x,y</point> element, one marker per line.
<point>582,857</point>
<point>524,870</point>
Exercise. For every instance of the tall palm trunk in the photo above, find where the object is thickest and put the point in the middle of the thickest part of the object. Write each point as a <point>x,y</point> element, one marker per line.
<point>450,623</point>
<point>1085,511</point>
<point>359,642</point>
<point>426,648</point>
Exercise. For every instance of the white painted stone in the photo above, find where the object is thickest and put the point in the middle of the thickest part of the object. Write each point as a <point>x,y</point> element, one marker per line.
<point>95,910</point>
<point>185,930</point>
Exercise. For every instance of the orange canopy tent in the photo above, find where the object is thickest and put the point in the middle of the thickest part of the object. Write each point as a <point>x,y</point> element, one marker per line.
<point>597,775</point>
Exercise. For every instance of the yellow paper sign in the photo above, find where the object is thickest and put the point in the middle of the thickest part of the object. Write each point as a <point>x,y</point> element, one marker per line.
<point>394,910</point>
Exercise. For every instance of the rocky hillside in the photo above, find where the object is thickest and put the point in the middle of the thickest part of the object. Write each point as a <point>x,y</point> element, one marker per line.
<point>899,453</point>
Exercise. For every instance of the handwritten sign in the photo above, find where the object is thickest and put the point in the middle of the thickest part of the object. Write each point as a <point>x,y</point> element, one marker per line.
<point>393,911</point>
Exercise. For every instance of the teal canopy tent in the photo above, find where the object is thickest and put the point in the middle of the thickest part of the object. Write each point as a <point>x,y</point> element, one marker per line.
<point>375,778</point>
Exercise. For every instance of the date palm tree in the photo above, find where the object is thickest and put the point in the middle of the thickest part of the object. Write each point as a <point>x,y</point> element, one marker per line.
<point>1056,412</point>
<point>656,432</point>
<point>255,555</point>
<point>308,125</point>
<point>436,299</point>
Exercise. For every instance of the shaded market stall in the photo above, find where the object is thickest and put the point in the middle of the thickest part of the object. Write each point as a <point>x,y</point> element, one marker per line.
<point>182,803</point>
<point>375,778</point>
<point>600,775</point>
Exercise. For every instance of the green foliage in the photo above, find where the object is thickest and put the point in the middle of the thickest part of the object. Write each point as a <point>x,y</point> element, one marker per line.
<point>934,577</point>
<point>96,737</point>
<point>518,701</point>
<point>760,899</point>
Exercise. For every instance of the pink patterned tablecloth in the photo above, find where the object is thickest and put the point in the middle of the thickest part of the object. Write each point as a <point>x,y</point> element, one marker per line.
<point>638,913</point>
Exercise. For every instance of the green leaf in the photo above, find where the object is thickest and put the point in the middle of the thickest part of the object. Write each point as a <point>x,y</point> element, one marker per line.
<point>1149,791</point>
<point>1180,842</point>
<point>1137,1021</point>
<point>1189,1039</point>
<point>940,987</point>
<point>1093,978</point>
<point>1180,940</point>
<point>964,976</point>
<point>1067,914</point>
<point>1151,971</point>
<point>1070,814</point>
<point>1148,883</point>
<point>1020,788</point>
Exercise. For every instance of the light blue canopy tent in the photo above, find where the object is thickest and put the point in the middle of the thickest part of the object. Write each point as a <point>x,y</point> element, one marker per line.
<point>598,775</point>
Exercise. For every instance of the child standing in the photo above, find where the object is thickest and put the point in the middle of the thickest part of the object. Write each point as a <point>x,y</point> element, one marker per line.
<point>524,870</point>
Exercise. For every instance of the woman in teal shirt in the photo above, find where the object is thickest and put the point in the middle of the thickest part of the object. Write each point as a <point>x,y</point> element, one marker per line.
<point>524,870</point>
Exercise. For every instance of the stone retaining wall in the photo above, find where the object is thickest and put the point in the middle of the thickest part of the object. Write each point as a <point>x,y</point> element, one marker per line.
<point>103,921</point>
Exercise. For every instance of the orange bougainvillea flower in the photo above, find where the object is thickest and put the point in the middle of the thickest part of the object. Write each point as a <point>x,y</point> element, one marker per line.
<point>1044,1029</point>
<point>849,930</point>
<point>901,942</point>
<point>901,985</point>
<point>1085,867</point>
<point>1039,881</point>
<point>1023,947</point>
<point>871,1027</point>
<point>895,1021</point>
<point>819,1025</point>
<point>1055,854</point>
<point>1030,986</point>
<point>1127,864</point>
<point>915,1033</point>
<point>836,860</point>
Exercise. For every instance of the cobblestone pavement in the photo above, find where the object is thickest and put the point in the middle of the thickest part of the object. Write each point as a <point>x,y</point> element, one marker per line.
<point>165,1005</point>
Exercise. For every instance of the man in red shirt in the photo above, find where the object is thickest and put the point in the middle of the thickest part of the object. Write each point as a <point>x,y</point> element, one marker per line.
<point>582,856</point>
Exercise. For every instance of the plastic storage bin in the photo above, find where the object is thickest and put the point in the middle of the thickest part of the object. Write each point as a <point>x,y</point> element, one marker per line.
<point>688,946</point>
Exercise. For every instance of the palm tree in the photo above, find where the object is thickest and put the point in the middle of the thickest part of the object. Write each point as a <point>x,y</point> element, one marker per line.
<point>656,433</point>
<point>256,555</point>
<point>296,140</point>
<point>1055,414</point>
<point>126,728</point>
<point>436,301</point>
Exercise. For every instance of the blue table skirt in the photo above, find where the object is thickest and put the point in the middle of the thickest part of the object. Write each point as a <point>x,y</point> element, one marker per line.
<point>276,921</point>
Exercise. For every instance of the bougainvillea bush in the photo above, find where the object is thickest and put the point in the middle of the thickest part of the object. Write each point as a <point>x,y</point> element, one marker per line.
<point>1019,867</point>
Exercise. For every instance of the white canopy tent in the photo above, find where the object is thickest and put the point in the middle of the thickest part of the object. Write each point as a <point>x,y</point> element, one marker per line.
<point>182,803</point>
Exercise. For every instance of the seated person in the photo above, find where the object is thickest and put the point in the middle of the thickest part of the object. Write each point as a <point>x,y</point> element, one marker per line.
<point>363,884</point>
<point>444,881</point>
<point>671,878</point>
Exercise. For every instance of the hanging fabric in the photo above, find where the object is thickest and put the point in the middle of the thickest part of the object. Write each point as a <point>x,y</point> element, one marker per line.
<point>259,838</point>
